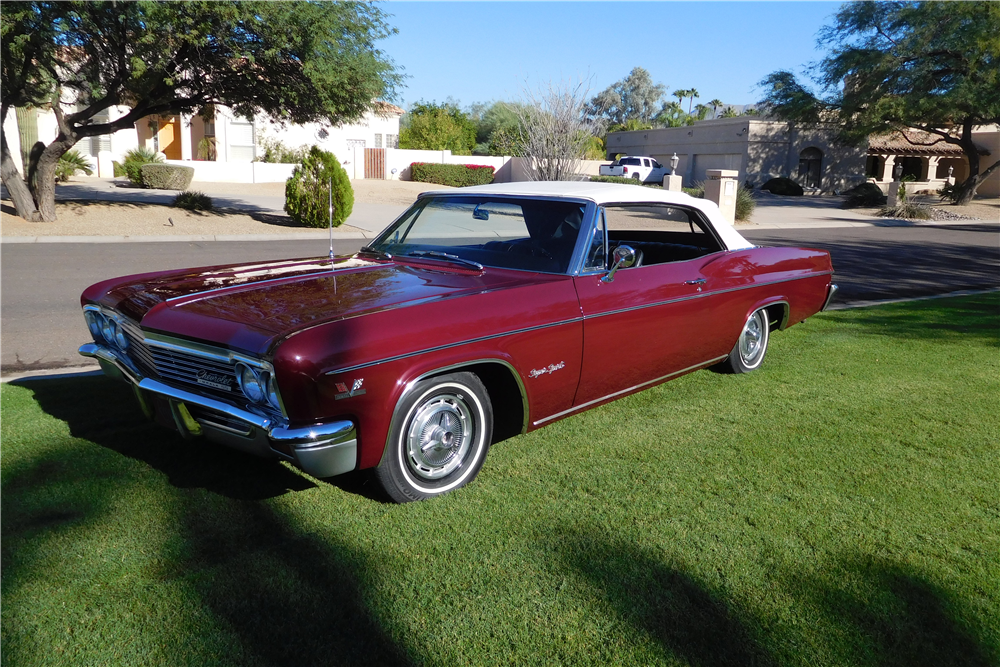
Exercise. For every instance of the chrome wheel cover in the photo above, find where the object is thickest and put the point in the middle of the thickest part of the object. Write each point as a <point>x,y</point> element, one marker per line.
<point>439,436</point>
<point>753,340</point>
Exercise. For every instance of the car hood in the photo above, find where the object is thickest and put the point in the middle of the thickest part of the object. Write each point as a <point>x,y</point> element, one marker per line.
<point>251,307</point>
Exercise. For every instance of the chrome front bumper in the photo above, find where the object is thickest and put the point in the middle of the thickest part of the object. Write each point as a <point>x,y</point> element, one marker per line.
<point>322,450</point>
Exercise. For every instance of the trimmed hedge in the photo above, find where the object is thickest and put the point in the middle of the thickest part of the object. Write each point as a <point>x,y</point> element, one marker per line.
<point>167,176</point>
<point>783,186</point>
<point>456,175</point>
<point>622,180</point>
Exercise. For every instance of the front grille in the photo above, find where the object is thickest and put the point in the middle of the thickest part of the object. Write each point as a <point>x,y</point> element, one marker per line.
<point>138,352</point>
<point>210,376</point>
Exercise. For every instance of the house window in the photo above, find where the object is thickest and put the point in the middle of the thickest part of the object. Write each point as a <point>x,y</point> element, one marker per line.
<point>241,141</point>
<point>102,142</point>
<point>392,141</point>
<point>378,141</point>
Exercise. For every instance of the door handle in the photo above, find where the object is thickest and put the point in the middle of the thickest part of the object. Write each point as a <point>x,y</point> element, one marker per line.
<point>699,281</point>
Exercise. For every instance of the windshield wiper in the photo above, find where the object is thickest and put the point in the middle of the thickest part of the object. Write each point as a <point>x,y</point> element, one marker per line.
<point>378,253</point>
<point>446,256</point>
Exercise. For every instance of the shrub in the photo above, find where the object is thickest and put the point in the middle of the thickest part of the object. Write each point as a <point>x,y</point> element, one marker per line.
<point>167,176</point>
<point>906,209</point>
<point>71,162</point>
<point>865,195</point>
<point>307,192</point>
<point>193,200</point>
<point>783,186</point>
<point>136,158</point>
<point>745,202</point>
<point>119,169</point>
<point>457,175</point>
<point>275,151</point>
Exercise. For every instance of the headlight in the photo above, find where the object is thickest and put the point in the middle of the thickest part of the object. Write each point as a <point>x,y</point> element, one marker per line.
<point>109,328</point>
<point>250,383</point>
<point>272,392</point>
<point>93,323</point>
<point>120,337</point>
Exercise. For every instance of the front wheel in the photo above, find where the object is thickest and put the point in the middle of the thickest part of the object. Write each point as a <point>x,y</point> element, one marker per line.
<point>748,353</point>
<point>439,438</point>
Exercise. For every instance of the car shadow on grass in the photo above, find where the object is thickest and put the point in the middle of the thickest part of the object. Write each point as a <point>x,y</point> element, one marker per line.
<point>106,413</point>
<point>896,616</point>
<point>875,613</point>
<point>693,623</point>
<point>278,593</point>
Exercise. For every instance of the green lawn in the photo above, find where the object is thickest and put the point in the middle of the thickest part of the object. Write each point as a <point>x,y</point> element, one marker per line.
<point>841,506</point>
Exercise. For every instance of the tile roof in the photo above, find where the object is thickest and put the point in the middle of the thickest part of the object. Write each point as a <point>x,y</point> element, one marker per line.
<point>914,142</point>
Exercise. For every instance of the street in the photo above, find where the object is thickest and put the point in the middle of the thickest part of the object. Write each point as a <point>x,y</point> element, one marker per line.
<point>42,326</point>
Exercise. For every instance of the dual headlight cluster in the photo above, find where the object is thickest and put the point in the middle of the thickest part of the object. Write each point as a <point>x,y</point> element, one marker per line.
<point>258,385</point>
<point>106,329</point>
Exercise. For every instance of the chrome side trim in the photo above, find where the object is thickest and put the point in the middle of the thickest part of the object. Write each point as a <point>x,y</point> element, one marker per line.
<point>480,339</point>
<point>829,297</point>
<point>625,391</point>
<point>438,348</point>
<point>701,295</point>
<point>444,369</point>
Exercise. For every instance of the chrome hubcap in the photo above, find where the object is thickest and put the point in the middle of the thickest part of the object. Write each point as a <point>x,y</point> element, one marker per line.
<point>753,339</point>
<point>439,436</point>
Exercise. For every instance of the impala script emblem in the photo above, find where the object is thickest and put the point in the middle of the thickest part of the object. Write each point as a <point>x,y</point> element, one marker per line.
<point>551,368</point>
<point>215,380</point>
<point>356,390</point>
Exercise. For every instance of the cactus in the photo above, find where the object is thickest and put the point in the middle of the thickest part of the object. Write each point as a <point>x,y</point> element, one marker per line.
<point>27,130</point>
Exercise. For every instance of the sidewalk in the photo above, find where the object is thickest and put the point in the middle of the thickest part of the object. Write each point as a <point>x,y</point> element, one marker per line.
<point>100,210</point>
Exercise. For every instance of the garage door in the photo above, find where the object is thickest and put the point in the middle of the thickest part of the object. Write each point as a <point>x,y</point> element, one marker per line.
<point>704,162</point>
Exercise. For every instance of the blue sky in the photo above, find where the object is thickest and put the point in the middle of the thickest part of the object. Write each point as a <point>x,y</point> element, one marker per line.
<point>483,51</point>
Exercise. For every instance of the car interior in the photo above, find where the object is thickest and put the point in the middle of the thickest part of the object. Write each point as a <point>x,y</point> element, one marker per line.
<point>659,233</point>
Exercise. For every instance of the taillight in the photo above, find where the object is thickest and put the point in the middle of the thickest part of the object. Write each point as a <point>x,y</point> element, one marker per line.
<point>624,170</point>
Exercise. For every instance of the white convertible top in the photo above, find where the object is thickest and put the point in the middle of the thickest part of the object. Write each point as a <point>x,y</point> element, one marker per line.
<point>609,193</point>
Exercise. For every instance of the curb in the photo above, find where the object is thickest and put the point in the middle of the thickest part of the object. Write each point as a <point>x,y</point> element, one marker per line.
<point>304,236</point>
<point>53,374</point>
<point>882,302</point>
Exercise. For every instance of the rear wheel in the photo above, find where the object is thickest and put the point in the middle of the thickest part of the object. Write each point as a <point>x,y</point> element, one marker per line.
<point>748,353</point>
<point>635,177</point>
<point>439,438</point>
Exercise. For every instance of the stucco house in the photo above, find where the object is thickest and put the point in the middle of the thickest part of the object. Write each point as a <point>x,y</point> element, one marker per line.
<point>760,149</point>
<point>220,137</point>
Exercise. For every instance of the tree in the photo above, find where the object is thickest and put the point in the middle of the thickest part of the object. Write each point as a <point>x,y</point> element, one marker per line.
<point>297,62</point>
<point>438,127</point>
<point>930,66</point>
<point>556,132</point>
<point>672,115</point>
<point>692,93</point>
<point>715,104</point>
<point>635,97</point>
<point>498,128</point>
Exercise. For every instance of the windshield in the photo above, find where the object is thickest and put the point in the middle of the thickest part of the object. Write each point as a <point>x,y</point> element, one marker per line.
<point>512,233</point>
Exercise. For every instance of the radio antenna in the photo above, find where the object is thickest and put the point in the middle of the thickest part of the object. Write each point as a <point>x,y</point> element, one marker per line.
<point>331,220</point>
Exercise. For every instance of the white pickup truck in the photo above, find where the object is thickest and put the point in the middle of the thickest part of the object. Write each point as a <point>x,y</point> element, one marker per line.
<point>641,168</point>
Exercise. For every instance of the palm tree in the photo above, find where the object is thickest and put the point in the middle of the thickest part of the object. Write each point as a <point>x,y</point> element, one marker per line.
<point>680,94</point>
<point>701,111</point>
<point>715,104</point>
<point>693,93</point>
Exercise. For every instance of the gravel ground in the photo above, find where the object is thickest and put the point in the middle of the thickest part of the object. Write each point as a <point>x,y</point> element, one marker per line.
<point>91,218</point>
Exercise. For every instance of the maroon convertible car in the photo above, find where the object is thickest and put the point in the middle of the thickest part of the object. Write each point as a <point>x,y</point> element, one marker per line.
<point>480,313</point>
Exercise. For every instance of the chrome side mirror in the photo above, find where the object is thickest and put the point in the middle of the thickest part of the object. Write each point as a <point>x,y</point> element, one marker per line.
<point>623,257</point>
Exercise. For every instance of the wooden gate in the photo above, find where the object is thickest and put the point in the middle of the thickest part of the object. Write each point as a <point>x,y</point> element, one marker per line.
<point>375,163</point>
